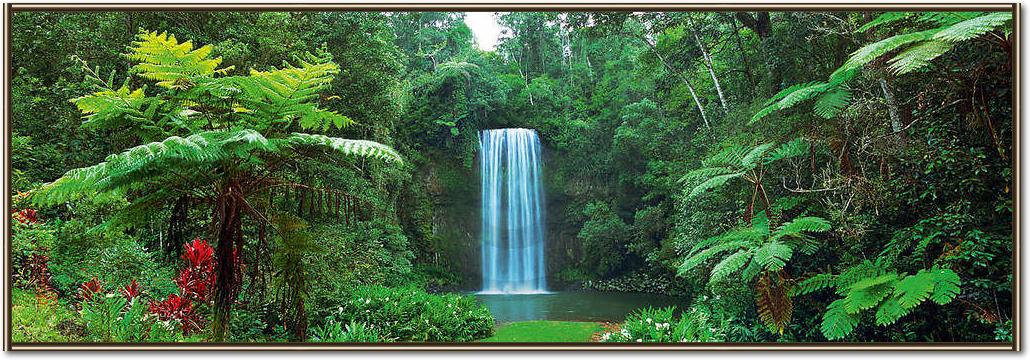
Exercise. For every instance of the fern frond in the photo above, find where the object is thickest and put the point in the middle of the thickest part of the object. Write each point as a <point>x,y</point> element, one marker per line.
<point>867,293</point>
<point>714,182</point>
<point>361,148</point>
<point>774,255</point>
<point>163,59</point>
<point>871,52</point>
<point>282,95</point>
<point>750,160</point>
<point>813,284</point>
<point>111,108</point>
<point>831,102</point>
<point>973,28</point>
<point>947,285</point>
<point>838,323</point>
<point>729,265</point>
<point>774,306</point>
<point>800,225</point>
<point>918,57</point>
<point>914,289</point>
<point>695,260</point>
<point>791,149</point>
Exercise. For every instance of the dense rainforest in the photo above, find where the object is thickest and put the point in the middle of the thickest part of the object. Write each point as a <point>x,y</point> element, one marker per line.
<point>312,176</point>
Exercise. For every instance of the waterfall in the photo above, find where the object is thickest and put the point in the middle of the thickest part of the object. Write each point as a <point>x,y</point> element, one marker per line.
<point>512,211</point>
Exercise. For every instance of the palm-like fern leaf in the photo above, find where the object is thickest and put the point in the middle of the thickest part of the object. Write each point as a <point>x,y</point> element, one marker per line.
<point>163,59</point>
<point>729,265</point>
<point>972,28</point>
<point>831,102</point>
<point>837,322</point>
<point>362,148</point>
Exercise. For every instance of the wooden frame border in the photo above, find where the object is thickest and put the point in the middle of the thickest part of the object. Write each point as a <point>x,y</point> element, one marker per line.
<point>9,9</point>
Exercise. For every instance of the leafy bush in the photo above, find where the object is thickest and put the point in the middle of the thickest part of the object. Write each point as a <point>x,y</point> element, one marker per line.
<point>334,331</point>
<point>411,314</point>
<point>700,324</point>
<point>603,238</point>
<point>116,318</point>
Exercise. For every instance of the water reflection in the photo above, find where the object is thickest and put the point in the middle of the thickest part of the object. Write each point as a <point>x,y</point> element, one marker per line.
<point>571,306</point>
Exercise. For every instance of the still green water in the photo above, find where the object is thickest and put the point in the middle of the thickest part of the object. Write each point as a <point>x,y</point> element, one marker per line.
<point>571,305</point>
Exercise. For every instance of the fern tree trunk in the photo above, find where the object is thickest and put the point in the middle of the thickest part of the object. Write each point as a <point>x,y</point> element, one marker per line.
<point>230,238</point>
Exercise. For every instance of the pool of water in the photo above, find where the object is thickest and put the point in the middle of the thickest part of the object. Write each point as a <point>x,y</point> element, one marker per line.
<point>571,305</point>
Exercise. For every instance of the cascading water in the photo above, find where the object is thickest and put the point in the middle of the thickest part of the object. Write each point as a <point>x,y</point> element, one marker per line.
<point>512,210</point>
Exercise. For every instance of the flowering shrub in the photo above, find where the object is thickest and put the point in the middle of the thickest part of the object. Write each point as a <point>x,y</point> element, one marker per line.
<point>698,324</point>
<point>178,309</point>
<point>411,314</point>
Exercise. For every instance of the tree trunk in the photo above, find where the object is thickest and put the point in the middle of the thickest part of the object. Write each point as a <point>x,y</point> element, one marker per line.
<point>711,70</point>
<point>761,24</point>
<point>226,254</point>
<point>895,114</point>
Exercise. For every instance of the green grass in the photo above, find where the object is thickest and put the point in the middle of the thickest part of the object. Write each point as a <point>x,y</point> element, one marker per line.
<point>545,331</point>
<point>32,321</point>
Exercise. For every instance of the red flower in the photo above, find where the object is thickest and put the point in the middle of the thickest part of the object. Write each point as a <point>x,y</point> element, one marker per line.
<point>90,288</point>
<point>130,291</point>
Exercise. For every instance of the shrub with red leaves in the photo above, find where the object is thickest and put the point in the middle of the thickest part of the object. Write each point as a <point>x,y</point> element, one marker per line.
<point>90,288</point>
<point>197,280</point>
<point>178,308</point>
<point>130,291</point>
<point>26,216</point>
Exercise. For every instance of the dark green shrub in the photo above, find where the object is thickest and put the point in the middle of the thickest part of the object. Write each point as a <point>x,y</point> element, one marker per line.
<point>334,331</point>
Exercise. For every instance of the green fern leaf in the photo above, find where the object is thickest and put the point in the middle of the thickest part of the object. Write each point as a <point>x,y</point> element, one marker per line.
<point>914,289</point>
<point>774,255</point>
<point>361,148</point>
<point>973,28</point>
<point>871,52</point>
<point>831,102</point>
<point>729,265</point>
<point>947,285</point>
<point>714,182</point>
<point>695,260</point>
<point>791,149</point>
<point>890,311</point>
<point>838,323</point>
<point>162,58</point>
<point>813,284</point>
<point>918,57</point>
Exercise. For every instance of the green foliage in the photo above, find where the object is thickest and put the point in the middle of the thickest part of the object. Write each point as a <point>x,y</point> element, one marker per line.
<point>869,286</point>
<point>602,240</point>
<point>756,247</point>
<point>334,331</point>
<point>410,314</point>
<point>700,324</point>
<point>39,320</point>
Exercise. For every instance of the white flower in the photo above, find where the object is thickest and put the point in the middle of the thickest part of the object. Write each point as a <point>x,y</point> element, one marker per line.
<point>648,320</point>
<point>640,340</point>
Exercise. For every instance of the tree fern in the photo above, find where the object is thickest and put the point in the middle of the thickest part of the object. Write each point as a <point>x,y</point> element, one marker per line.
<point>914,50</point>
